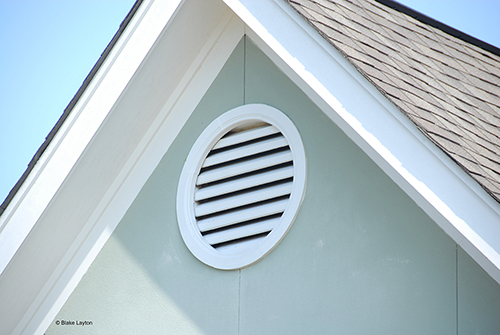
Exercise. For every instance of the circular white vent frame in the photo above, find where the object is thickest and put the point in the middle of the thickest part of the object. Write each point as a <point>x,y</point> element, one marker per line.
<point>186,205</point>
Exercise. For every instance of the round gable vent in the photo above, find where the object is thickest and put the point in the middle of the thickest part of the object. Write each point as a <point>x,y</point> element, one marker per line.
<point>241,186</point>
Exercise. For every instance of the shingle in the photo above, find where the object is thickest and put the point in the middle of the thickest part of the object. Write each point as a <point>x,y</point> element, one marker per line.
<point>314,12</point>
<point>486,87</point>
<point>471,166</point>
<point>488,161</point>
<point>302,10</point>
<point>481,55</point>
<point>419,73</point>
<point>494,71</point>
<point>458,55</point>
<point>461,53</point>
<point>352,6</point>
<point>432,124</point>
<point>491,100</point>
<point>333,33</point>
<point>358,15</point>
<point>394,92</point>
<point>486,145</point>
<point>458,92</point>
<point>372,7</point>
<point>489,176</point>
<point>484,112</point>
<point>469,68</point>
<point>415,56</point>
<point>381,76</point>
<point>489,186</point>
<point>449,40</point>
<point>425,32</point>
<point>436,89</point>
<point>489,78</point>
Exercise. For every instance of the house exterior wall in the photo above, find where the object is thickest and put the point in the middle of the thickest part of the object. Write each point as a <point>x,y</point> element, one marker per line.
<point>360,258</point>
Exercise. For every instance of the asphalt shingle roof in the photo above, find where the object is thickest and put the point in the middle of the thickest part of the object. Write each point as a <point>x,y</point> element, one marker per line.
<point>446,82</point>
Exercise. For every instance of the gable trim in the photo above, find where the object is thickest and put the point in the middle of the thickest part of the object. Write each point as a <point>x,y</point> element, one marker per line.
<point>437,184</point>
<point>78,129</point>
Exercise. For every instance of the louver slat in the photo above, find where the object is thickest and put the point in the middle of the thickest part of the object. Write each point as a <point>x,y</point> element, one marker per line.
<point>241,232</point>
<point>244,167</point>
<point>245,151</point>
<point>245,136</point>
<point>243,199</point>
<point>241,246</point>
<point>243,215</point>
<point>244,183</point>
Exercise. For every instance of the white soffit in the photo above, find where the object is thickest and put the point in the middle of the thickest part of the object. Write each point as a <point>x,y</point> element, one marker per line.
<point>445,192</point>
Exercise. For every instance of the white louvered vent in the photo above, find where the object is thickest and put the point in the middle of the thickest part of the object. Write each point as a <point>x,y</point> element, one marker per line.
<point>244,186</point>
<point>239,190</point>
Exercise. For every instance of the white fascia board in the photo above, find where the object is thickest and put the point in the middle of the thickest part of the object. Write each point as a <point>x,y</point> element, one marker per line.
<point>133,175</point>
<point>438,185</point>
<point>82,123</point>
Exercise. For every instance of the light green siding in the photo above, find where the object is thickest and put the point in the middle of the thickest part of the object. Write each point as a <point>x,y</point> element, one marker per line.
<point>361,257</point>
<point>478,298</point>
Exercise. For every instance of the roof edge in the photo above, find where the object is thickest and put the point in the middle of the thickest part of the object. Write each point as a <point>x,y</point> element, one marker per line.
<point>441,26</point>
<point>69,107</point>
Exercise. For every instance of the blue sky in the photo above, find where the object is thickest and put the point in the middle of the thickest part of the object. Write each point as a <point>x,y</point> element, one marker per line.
<point>48,48</point>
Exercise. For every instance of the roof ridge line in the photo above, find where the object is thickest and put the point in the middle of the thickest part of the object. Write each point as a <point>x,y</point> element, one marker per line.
<point>440,25</point>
